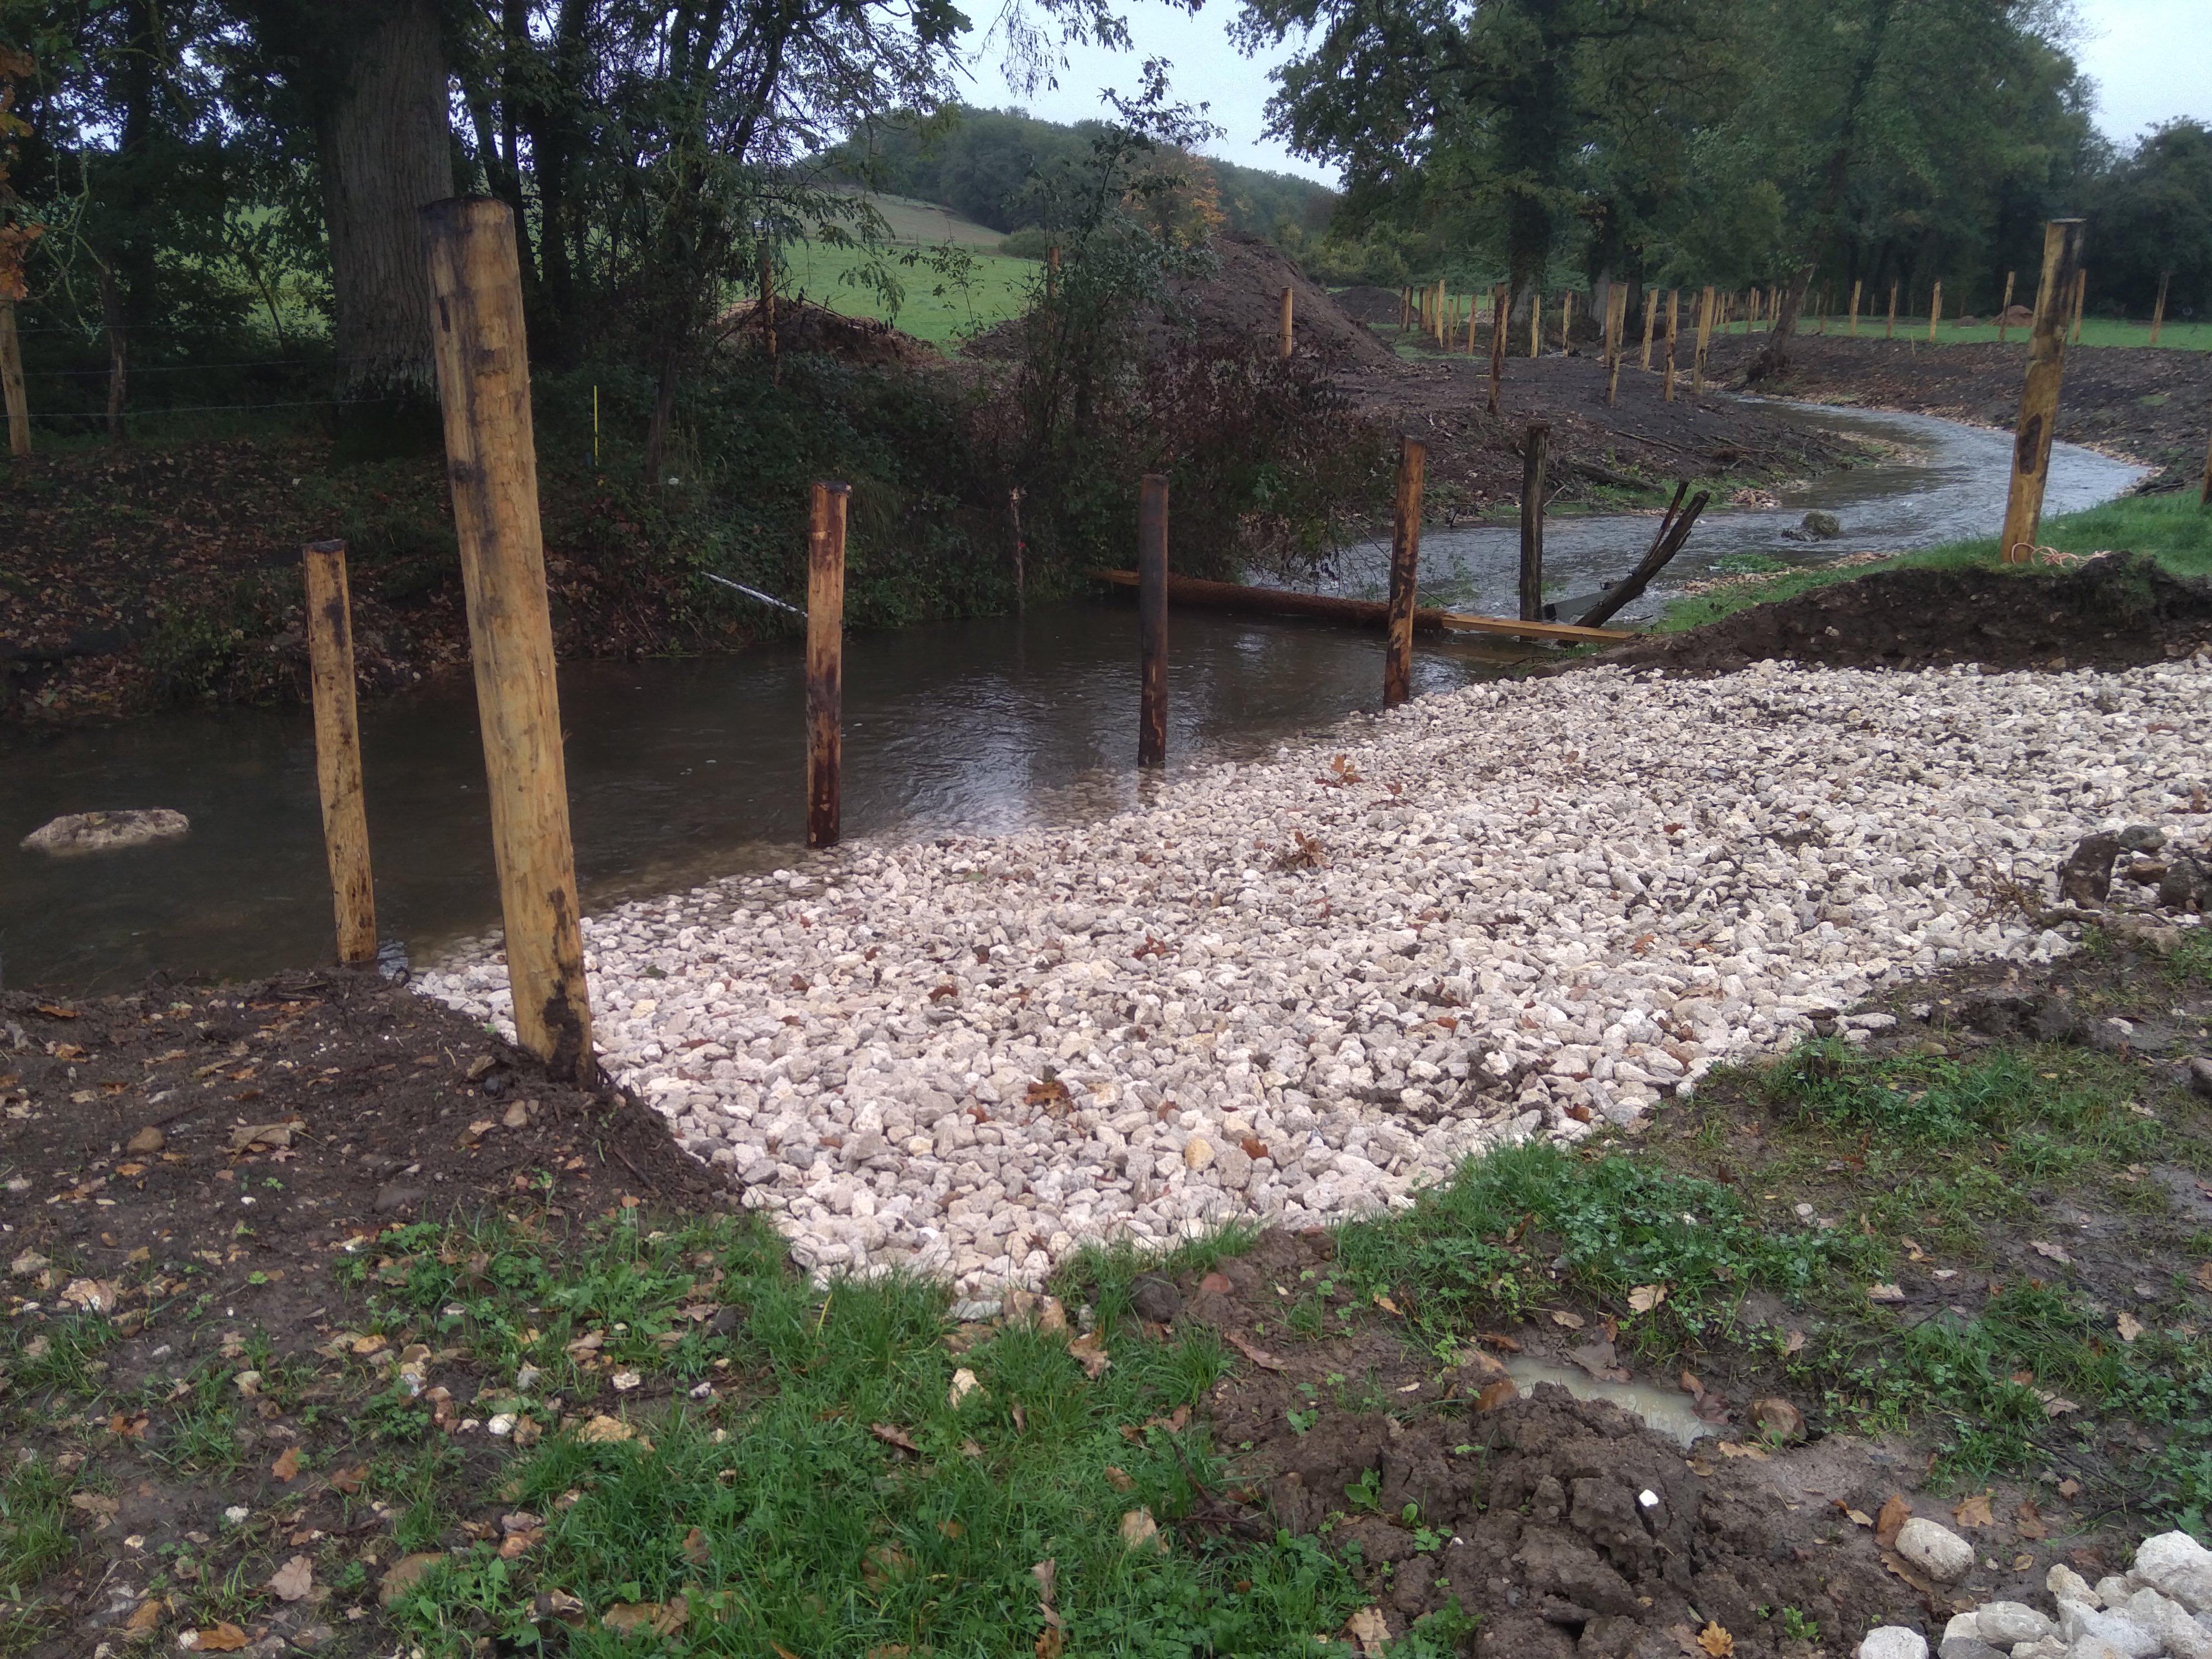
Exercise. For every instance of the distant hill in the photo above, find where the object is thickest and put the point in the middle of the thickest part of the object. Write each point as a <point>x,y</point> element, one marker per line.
<point>977,162</point>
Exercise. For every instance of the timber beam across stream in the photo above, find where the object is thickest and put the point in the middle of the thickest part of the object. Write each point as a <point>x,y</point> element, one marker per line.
<point>1361,613</point>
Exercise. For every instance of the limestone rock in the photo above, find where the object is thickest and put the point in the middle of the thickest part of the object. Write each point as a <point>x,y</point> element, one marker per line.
<point>2176,1564</point>
<point>78,832</point>
<point>1935,1549</point>
<point>1893,1642</point>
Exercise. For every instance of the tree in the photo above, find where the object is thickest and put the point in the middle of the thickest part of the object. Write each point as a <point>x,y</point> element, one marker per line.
<point>2152,220</point>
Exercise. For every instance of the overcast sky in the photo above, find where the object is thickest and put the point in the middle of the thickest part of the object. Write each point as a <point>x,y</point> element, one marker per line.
<point>2147,57</point>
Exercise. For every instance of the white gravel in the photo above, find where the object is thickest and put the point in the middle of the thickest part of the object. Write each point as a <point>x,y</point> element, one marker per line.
<point>1538,906</point>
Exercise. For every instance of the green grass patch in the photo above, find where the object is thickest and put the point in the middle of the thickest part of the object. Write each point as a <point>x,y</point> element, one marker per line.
<point>2095,331</point>
<point>2172,529</point>
<point>941,307</point>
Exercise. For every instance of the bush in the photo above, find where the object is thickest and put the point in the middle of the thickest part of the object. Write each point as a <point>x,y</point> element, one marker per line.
<point>1030,242</point>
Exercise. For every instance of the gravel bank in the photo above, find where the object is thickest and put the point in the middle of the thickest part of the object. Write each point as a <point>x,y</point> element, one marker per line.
<point>1300,989</point>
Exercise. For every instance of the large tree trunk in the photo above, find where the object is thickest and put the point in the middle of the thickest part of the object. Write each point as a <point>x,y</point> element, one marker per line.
<point>385,149</point>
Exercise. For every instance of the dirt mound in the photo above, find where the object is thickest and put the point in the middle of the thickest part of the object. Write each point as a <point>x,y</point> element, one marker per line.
<point>1377,307</point>
<point>1566,1525</point>
<point>1244,298</point>
<point>2117,611</point>
<point>802,326</point>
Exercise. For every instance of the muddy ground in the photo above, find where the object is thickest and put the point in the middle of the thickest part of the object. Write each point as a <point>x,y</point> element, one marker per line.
<point>2120,611</point>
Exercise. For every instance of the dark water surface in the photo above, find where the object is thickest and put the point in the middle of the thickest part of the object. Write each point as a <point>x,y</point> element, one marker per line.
<point>679,771</point>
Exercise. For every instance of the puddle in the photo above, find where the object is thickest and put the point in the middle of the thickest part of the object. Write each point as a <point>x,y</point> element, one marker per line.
<point>1663,1411</point>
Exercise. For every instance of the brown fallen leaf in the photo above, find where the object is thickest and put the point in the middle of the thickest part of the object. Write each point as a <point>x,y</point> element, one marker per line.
<point>963,1384</point>
<point>223,1639</point>
<point>286,1465</point>
<point>2131,1328</point>
<point>1140,1532</point>
<point>1494,1395</point>
<point>603,1430</point>
<point>131,1428</point>
<point>1644,1297</point>
<point>660,1618</point>
<point>1885,1294</point>
<point>1890,1520</point>
<point>1118,1479</point>
<point>294,1581</point>
<point>406,1573</point>
<point>1386,1304</point>
<point>145,1618</point>
<point>1089,1351</point>
<point>2203,1276</point>
<point>1974,1511</point>
<point>1369,1629</point>
<point>1716,1641</point>
<point>1793,1343</point>
<point>1260,1357</point>
<point>697,1550</point>
<point>891,1435</point>
<point>1573,1321</point>
<point>1891,1560</point>
<point>2050,1252</point>
<point>1739,1449</point>
<point>348,1481</point>
<point>1497,1339</point>
<point>2029,1523</point>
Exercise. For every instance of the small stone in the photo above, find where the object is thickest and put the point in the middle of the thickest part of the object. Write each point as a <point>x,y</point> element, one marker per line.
<point>78,832</point>
<point>2200,1076</point>
<point>1154,1299</point>
<point>1935,1549</point>
<point>148,1141</point>
<point>1893,1642</point>
<point>396,1197</point>
<point>1825,526</point>
<point>1966,1647</point>
<point>1197,1152</point>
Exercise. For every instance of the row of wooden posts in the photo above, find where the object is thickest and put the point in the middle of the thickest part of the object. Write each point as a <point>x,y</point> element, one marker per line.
<point>483,381</point>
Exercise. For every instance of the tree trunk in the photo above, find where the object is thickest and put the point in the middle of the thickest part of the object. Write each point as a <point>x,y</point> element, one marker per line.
<point>386,149</point>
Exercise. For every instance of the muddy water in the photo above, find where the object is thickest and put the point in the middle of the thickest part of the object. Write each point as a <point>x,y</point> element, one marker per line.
<point>682,770</point>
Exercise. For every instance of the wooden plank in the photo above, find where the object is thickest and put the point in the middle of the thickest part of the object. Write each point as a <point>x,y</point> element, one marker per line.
<point>1191,591</point>
<point>338,749</point>
<point>483,384</point>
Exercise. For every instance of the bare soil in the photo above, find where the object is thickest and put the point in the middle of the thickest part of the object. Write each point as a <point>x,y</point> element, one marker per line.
<point>2120,611</point>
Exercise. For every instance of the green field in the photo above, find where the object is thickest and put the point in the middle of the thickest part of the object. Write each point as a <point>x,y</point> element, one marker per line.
<point>2095,331</point>
<point>932,307</point>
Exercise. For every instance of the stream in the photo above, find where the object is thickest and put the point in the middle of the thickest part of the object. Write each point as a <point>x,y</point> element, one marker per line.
<point>680,771</point>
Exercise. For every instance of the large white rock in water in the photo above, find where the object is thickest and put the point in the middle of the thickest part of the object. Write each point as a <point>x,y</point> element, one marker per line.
<point>2176,1564</point>
<point>106,832</point>
<point>1893,1642</point>
<point>1935,1549</point>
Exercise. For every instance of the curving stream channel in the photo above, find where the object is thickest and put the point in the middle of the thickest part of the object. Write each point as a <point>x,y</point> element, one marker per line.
<point>682,771</point>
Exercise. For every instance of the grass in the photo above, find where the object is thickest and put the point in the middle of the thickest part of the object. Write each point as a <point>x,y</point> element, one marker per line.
<point>2095,331</point>
<point>2171,529</point>
<point>939,306</point>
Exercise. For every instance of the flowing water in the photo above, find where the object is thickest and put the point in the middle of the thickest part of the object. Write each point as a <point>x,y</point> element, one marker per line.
<point>680,771</point>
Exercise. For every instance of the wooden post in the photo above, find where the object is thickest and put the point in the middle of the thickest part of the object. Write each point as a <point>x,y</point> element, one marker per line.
<point>1935,310</point>
<point>1852,331</point>
<point>1650,315</point>
<point>2038,397</point>
<point>1152,619</point>
<point>2005,309</point>
<point>1890,332</point>
<point>1532,522</point>
<point>1501,305</point>
<point>2080,297</point>
<point>825,661</point>
<point>1287,336</point>
<point>1535,321</point>
<point>768,333</point>
<point>1404,574</point>
<point>2157,311</point>
<point>1674,306</point>
<point>11,383</point>
<point>1566,320</point>
<point>1021,549</point>
<point>1704,330</point>
<point>1474,316</point>
<point>1616,322</point>
<point>338,749</point>
<point>483,382</point>
<point>111,311</point>
<point>1437,313</point>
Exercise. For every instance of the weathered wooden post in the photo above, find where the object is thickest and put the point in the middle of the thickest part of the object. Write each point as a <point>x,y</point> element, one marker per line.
<point>1021,549</point>
<point>483,382</point>
<point>1935,310</point>
<point>1535,321</point>
<point>1890,332</point>
<point>337,747</point>
<point>1674,308</point>
<point>1532,521</point>
<point>1852,331</point>
<point>1566,320</point>
<point>1704,330</point>
<point>2038,397</point>
<point>2080,298</point>
<point>1616,321</point>
<point>1288,337</point>
<point>11,383</point>
<point>1650,316</point>
<point>1405,308</point>
<point>1152,619</point>
<point>1404,574</point>
<point>1501,300</point>
<point>825,661</point>
<point>2005,310</point>
<point>2157,310</point>
<point>768,334</point>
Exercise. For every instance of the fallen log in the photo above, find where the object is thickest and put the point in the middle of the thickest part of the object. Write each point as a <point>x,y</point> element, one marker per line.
<point>1357,613</point>
<point>1674,531</point>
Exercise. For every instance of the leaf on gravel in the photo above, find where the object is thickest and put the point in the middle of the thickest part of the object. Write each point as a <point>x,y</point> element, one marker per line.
<point>1890,1520</point>
<point>1368,1628</point>
<point>294,1581</point>
<point>288,1465</point>
<point>2131,1328</point>
<point>1140,1532</point>
<point>891,1435</point>
<point>223,1639</point>
<point>1716,1641</point>
<point>1975,1511</point>
<point>1573,1322</point>
<point>602,1428</point>
<point>1258,1356</point>
<point>2052,1252</point>
<point>963,1384</point>
<point>1885,1294</point>
<point>1644,1297</point>
<point>1090,1352</point>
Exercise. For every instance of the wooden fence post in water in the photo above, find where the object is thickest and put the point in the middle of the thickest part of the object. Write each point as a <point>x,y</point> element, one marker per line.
<point>1404,574</point>
<point>1704,330</point>
<point>2038,397</point>
<point>338,749</point>
<point>1152,619</point>
<point>825,662</point>
<point>11,383</point>
<point>2157,311</point>
<point>1532,521</point>
<point>1674,306</point>
<point>1501,304</point>
<point>483,382</point>
<point>2004,310</point>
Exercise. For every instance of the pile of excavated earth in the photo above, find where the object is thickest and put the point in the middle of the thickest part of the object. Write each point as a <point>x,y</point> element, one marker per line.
<point>1298,990</point>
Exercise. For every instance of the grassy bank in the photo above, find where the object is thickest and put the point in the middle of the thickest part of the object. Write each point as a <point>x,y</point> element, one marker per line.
<point>941,303</point>
<point>2173,530</point>
<point>2095,331</point>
